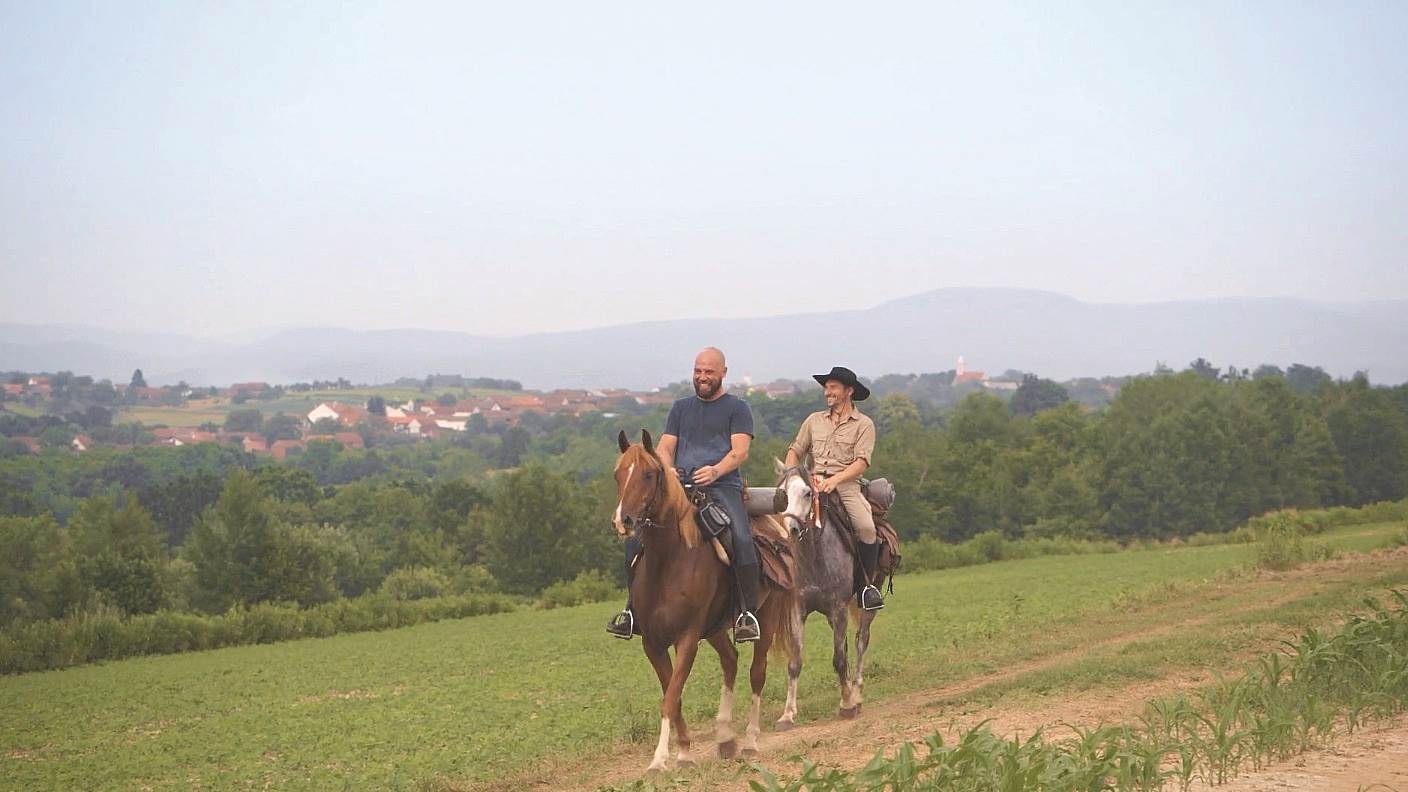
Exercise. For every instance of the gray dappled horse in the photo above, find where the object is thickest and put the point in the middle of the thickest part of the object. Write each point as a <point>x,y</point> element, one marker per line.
<point>826,584</point>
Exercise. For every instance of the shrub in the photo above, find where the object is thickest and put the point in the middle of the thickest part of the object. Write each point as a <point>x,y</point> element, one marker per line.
<point>1280,545</point>
<point>590,586</point>
<point>103,633</point>
<point>414,583</point>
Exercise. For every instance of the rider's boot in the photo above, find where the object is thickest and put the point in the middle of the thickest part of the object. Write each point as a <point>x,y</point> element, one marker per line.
<point>870,598</point>
<point>623,624</point>
<point>746,629</point>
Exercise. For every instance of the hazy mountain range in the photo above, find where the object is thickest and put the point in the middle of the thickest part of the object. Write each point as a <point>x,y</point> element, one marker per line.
<point>994,329</point>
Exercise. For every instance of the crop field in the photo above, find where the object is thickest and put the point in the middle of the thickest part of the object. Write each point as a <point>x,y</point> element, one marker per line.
<point>510,699</point>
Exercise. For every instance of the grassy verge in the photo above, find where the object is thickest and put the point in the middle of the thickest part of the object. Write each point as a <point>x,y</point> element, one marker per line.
<point>109,635</point>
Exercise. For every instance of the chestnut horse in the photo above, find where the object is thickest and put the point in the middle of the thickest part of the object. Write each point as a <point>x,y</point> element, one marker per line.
<point>683,593</point>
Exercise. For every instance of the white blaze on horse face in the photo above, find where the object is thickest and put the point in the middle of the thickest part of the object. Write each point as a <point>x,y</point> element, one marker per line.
<point>616,519</point>
<point>798,501</point>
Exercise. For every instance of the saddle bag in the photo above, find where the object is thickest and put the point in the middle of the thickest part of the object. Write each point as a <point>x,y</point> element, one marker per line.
<point>714,519</point>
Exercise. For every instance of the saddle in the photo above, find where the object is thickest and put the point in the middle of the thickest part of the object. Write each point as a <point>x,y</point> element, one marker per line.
<point>880,502</point>
<point>771,540</point>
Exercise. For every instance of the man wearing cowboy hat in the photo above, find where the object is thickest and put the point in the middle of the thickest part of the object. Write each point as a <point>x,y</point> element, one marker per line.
<point>841,441</point>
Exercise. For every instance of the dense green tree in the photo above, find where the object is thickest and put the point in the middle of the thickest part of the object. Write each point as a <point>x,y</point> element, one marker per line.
<point>1371,434</point>
<point>175,504</point>
<point>138,381</point>
<point>38,576</point>
<point>288,484</point>
<point>325,426</point>
<point>243,556</point>
<point>248,419</point>
<point>1036,394</point>
<point>376,405</point>
<point>282,427</point>
<point>1204,369</point>
<point>515,442</point>
<point>1306,379</point>
<point>540,528</point>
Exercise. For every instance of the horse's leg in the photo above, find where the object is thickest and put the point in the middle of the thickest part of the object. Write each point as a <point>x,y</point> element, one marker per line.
<point>723,722</point>
<point>773,612</point>
<point>864,618</point>
<point>685,650</point>
<point>659,657</point>
<point>839,660</point>
<point>794,670</point>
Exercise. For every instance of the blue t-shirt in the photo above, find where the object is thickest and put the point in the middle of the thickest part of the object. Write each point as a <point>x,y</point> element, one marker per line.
<point>704,429</point>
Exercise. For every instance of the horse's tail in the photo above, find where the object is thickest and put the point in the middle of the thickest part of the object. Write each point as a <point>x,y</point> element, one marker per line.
<point>783,621</point>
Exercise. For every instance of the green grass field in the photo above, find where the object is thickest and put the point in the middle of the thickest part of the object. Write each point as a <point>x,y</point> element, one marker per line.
<point>499,696</point>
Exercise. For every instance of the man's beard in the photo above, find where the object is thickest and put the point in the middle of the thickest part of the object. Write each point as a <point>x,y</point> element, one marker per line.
<point>706,388</point>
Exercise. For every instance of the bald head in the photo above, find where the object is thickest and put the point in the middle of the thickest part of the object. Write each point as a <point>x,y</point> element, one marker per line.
<point>712,355</point>
<point>709,371</point>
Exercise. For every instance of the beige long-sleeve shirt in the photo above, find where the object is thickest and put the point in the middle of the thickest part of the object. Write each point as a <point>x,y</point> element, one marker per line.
<point>835,446</point>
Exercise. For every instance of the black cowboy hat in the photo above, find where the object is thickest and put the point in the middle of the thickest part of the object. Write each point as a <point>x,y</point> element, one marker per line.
<point>846,377</point>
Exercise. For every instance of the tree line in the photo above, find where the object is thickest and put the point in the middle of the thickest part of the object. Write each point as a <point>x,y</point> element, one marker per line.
<point>204,528</point>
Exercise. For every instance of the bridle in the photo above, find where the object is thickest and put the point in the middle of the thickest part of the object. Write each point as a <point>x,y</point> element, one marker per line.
<point>656,497</point>
<point>815,510</point>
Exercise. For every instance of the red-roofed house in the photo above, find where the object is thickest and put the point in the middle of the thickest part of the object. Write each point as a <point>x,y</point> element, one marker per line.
<point>29,442</point>
<point>254,444</point>
<point>349,440</point>
<point>81,443</point>
<point>283,449</point>
<point>345,414</point>
<point>246,388</point>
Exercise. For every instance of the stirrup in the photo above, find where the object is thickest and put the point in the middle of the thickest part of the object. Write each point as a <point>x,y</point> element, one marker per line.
<point>746,629</point>
<point>622,625</point>
<point>870,599</point>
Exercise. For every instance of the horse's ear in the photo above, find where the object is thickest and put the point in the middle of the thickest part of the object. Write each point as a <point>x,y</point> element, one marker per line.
<point>647,442</point>
<point>778,466</point>
<point>623,442</point>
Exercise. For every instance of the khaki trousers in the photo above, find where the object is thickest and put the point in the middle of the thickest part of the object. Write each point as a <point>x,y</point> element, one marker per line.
<point>859,510</point>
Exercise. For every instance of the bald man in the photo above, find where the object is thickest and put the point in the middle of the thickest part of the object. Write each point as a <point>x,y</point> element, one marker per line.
<point>707,436</point>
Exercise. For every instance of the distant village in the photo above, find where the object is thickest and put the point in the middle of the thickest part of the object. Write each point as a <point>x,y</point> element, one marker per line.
<point>92,409</point>
<point>345,422</point>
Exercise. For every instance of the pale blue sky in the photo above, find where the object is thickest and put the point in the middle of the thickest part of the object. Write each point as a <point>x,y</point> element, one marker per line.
<point>513,167</point>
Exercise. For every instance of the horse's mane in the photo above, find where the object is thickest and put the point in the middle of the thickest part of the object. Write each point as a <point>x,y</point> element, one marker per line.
<point>675,507</point>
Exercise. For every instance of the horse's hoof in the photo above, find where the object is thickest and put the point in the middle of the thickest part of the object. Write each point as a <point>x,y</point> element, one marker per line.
<point>783,726</point>
<point>652,772</point>
<point>728,749</point>
<point>858,706</point>
<point>848,713</point>
<point>683,764</point>
<point>750,753</point>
